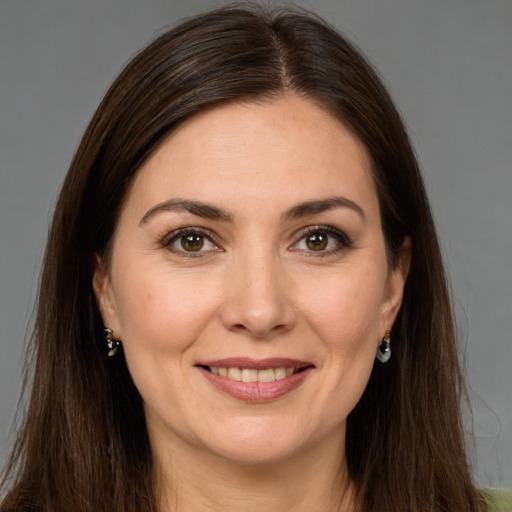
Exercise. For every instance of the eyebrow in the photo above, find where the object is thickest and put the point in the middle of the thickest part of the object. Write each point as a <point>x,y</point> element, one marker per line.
<point>198,208</point>
<point>209,211</point>
<point>322,205</point>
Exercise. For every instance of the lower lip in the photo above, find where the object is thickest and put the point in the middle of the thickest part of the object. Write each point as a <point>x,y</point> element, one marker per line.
<point>256,392</point>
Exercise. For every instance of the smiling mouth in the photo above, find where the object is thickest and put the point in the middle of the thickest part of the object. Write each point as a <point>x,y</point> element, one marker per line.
<point>250,370</point>
<point>253,375</point>
<point>256,380</point>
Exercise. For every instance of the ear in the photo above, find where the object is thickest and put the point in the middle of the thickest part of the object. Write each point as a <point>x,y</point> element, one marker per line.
<point>104,294</point>
<point>395,285</point>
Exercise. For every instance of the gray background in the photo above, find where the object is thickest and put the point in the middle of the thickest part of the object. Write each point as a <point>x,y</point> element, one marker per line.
<point>448,64</point>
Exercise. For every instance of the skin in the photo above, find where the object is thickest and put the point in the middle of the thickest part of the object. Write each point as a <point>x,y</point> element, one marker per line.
<point>257,290</point>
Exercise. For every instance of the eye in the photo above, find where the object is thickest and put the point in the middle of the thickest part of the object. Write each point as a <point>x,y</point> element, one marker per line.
<point>316,241</point>
<point>192,243</point>
<point>190,240</point>
<point>324,239</point>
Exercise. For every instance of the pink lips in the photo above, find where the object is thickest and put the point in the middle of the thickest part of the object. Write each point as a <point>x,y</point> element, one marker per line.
<point>256,392</point>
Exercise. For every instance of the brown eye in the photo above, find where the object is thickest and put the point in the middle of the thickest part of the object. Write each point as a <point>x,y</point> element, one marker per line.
<point>316,241</point>
<point>192,242</point>
<point>321,241</point>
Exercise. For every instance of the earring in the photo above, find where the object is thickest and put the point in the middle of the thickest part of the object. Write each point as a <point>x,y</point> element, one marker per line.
<point>384,349</point>
<point>112,344</point>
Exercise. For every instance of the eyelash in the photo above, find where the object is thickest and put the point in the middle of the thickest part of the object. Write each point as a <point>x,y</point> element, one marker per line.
<point>343,240</point>
<point>178,234</point>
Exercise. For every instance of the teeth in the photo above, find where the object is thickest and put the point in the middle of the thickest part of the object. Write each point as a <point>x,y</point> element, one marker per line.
<point>251,375</point>
<point>281,373</point>
<point>267,375</point>
<point>234,374</point>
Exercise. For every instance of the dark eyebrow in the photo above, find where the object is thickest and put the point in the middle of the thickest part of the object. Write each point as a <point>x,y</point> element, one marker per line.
<point>322,205</point>
<point>198,208</point>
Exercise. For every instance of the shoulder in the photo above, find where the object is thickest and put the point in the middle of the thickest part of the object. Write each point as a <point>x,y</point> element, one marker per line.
<point>498,500</point>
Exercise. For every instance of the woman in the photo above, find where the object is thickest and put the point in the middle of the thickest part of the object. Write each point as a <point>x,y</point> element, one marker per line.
<point>242,231</point>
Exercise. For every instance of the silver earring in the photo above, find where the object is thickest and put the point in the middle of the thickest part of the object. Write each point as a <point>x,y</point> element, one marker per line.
<point>112,344</point>
<point>384,349</point>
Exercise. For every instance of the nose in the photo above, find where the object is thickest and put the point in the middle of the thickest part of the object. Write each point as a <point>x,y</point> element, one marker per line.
<point>258,302</point>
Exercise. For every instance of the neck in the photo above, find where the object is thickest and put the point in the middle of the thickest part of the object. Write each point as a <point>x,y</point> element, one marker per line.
<point>316,479</point>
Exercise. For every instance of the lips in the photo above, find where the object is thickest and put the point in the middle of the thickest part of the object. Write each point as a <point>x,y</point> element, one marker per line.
<point>255,380</point>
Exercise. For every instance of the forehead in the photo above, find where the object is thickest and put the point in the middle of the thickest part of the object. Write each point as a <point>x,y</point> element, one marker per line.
<point>288,149</point>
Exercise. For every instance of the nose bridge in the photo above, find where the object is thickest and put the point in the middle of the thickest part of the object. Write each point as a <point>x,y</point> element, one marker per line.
<point>258,302</point>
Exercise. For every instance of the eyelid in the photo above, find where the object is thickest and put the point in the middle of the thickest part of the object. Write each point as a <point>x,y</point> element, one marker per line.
<point>175,234</point>
<point>340,236</point>
<point>343,239</point>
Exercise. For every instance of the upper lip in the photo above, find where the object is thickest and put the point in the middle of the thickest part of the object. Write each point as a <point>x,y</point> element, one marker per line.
<point>256,364</point>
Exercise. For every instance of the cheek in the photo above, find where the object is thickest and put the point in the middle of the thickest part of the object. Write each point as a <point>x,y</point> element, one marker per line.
<point>162,311</point>
<point>162,317</point>
<point>344,309</point>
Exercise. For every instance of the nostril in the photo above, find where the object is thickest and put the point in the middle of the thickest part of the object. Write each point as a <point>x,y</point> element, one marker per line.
<point>257,316</point>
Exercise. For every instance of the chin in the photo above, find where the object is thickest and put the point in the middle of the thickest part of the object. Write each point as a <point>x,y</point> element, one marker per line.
<point>265,444</point>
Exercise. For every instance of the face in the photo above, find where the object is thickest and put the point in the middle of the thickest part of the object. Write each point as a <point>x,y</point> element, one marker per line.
<point>248,282</point>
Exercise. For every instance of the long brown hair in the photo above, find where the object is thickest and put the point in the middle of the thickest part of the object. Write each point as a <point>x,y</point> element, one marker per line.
<point>83,445</point>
